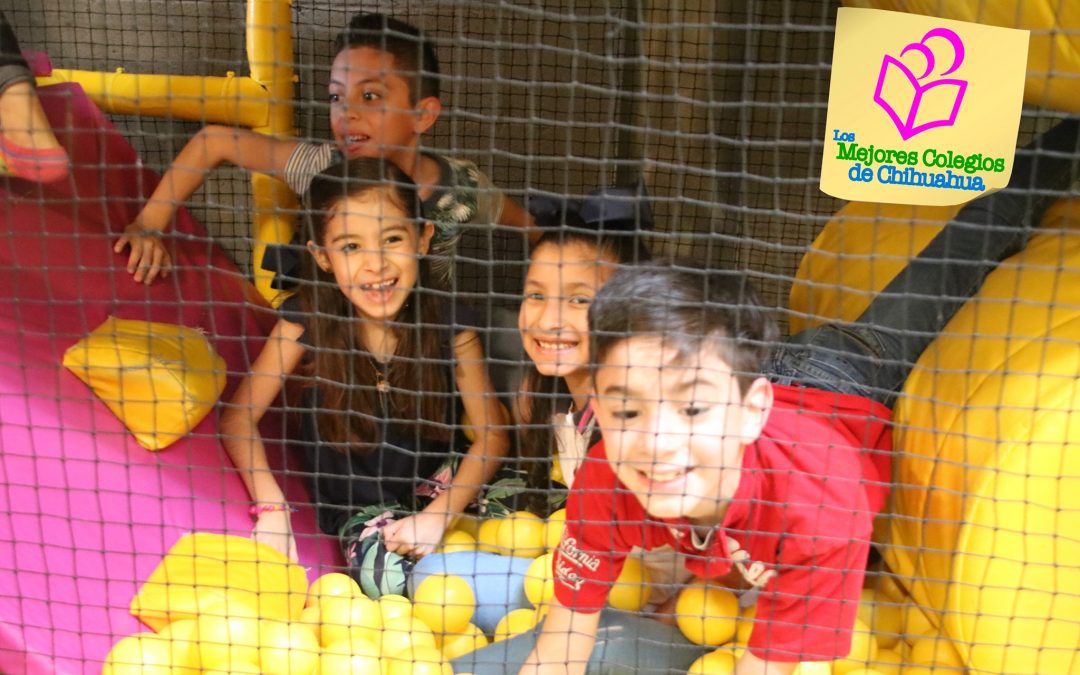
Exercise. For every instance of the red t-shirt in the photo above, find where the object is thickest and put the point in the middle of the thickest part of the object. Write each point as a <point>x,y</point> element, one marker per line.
<point>798,528</point>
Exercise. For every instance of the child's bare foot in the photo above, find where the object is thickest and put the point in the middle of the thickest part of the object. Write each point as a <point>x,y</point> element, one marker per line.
<point>28,146</point>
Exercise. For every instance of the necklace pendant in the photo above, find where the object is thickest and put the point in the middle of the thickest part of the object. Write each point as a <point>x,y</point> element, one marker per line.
<point>382,386</point>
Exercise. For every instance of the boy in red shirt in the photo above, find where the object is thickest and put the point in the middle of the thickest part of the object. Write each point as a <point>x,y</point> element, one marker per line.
<point>764,470</point>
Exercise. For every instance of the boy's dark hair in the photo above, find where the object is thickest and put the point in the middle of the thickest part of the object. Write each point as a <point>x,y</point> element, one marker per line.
<point>414,54</point>
<point>544,394</point>
<point>340,366</point>
<point>688,309</point>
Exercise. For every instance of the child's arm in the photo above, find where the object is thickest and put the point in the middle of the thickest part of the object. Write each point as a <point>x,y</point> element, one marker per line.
<point>240,433</point>
<point>565,642</point>
<point>515,215</point>
<point>210,147</point>
<point>418,535</point>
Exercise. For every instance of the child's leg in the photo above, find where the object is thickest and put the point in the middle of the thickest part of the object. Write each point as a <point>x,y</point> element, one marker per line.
<point>873,356</point>
<point>28,147</point>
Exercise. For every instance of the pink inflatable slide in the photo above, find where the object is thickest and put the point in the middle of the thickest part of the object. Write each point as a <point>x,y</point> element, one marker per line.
<point>85,512</point>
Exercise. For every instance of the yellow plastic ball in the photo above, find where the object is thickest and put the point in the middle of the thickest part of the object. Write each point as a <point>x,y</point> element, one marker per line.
<point>143,654</point>
<point>400,634</point>
<point>287,648</point>
<point>310,617</point>
<point>553,529</point>
<point>458,644</point>
<point>915,623</point>
<point>445,602</point>
<point>521,535</point>
<point>888,662</point>
<point>234,668</point>
<point>862,653</point>
<point>181,635</point>
<point>539,580</point>
<point>487,536</point>
<point>332,585</point>
<point>515,623</point>
<point>813,668</point>
<point>417,661</point>
<point>467,523</point>
<point>345,618</point>
<point>456,541</point>
<point>226,639</point>
<point>865,671</point>
<point>632,589</point>
<point>935,650</point>
<point>744,626</point>
<point>707,615</point>
<point>395,607</point>
<point>349,657</point>
<point>884,616</point>
<point>719,662</point>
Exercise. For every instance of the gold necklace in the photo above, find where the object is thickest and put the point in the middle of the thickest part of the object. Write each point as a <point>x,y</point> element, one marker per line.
<point>382,383</point>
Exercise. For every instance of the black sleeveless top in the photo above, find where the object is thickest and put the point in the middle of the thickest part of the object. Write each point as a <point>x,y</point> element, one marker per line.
<point>342,482</point>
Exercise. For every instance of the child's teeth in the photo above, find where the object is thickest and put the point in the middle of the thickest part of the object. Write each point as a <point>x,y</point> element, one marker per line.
<point>554,345</point>
<point>664,477</point>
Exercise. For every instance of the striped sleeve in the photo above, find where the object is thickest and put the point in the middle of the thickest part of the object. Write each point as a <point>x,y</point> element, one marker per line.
<point>306,161</point>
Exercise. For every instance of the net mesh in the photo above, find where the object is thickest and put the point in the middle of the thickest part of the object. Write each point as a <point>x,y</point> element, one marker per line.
<point>717,110</point>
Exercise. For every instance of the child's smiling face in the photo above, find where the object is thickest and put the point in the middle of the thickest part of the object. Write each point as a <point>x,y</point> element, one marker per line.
<point>560,285</point>
<point>372,248</point>
<point>675,426</point>
<point>371,109</point>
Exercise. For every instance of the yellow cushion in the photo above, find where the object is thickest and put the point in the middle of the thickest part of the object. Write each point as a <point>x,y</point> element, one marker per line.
<point>988,465</point>
<point>1053,70</point>
<point>203,570</point>
<point>862,248</point>
<point>160,380</point>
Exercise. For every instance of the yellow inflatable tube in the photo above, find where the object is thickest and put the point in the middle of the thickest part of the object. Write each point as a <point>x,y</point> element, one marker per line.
<point>988,471</point>
<point>988,443</point>
<point>221,100</point>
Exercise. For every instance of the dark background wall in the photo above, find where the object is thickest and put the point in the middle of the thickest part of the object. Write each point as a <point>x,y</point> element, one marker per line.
<point>717,104</point>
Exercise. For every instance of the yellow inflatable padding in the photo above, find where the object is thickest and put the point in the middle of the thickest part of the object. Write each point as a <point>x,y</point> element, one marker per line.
<point>160,380</point>
<point>202,570</point>
<point>988,465</point>
<point>862,248</point>
<point>1053,69</point>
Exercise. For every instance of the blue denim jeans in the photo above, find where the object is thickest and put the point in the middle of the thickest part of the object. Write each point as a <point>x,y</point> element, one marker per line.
<point>873,356</point>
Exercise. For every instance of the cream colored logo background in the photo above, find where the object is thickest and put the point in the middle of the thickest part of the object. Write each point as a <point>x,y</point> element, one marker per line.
<point>994,65</point>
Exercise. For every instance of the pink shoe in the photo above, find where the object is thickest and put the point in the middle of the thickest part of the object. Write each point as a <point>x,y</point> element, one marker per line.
<point>36,164</point>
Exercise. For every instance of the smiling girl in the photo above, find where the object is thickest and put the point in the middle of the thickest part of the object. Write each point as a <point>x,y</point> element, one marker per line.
<point>386,388</point>
<point>566,270</point>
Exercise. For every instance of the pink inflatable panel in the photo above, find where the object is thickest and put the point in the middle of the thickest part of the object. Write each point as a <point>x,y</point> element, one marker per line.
<point>85,512</point>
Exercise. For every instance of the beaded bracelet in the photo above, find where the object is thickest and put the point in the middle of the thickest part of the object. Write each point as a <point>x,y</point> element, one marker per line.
<point>259,509</point>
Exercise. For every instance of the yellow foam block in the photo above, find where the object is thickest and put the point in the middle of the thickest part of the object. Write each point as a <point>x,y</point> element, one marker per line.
<point>1053,68</point>
<point>208,572</point>
<point>160,379</point>
<point>988,466</point>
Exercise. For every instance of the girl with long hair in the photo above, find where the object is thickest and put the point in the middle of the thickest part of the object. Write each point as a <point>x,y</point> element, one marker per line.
<point>390,393</point>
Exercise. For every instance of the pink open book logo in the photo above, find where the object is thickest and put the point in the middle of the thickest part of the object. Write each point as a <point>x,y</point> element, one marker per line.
<point>916,104</point>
